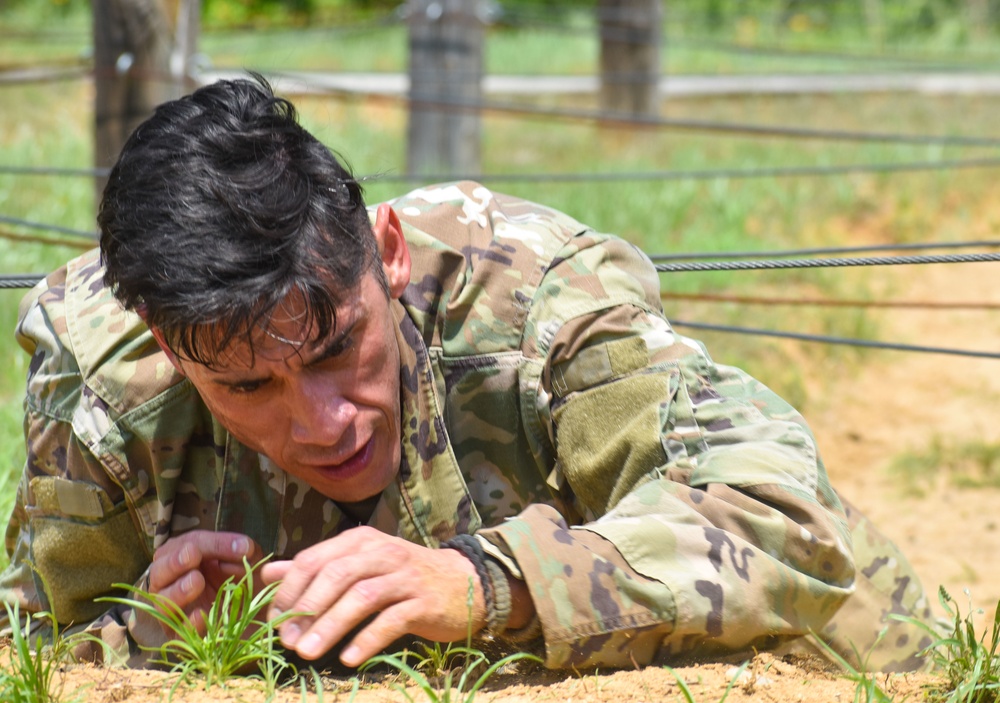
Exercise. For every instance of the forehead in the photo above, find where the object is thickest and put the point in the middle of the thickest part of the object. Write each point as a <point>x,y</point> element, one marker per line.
<point>291,331</point>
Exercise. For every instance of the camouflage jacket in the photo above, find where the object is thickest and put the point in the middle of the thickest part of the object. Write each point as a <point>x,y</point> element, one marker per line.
<point>654,502</point>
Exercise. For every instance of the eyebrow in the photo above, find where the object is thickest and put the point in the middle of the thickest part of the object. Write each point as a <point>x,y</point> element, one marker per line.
<point>331,347</point>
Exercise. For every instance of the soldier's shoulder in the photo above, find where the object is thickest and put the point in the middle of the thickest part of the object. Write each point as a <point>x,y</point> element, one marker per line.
<point>114,351</point>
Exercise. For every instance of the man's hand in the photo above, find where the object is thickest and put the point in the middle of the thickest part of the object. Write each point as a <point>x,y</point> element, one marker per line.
<point>414,590</point>
<point>190,569</point>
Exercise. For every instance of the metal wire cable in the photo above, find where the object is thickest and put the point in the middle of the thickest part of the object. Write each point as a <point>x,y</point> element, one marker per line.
<point>19,280</point>
<point>692,256</point>
<point>825,339</point>
<point>763,264</point>
<point>614,118</point>
<point>54,171</point>
<point>624,176</point>
<point>606,117</point>
<point>828,302</point>
<point>620,119</point>
<point>35,239</point>
<point>47,227</point>
<point>821,250</point>
<point>706,174</point>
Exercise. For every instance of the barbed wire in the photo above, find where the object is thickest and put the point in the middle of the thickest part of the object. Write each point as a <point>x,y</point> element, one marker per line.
<point>703,174</point>
<point>30,224</point>
<point>54,171</point>
<point>631,121</point>
<point>686,256</point>
<point>20,280</point>
<point>826,339</point>
<point>811,263</point>
<point>766,264</point>
<point>33,239</point>
<point>828,302</point>
<point>755,256</point>
<point>314,86</point>
<point>622,176</point>
<point>14,281</point>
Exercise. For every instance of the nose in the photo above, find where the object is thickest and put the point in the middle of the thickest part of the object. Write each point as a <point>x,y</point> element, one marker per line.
<point>320,415</point>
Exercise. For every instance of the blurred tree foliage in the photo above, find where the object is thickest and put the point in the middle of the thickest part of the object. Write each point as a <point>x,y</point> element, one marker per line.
<point>895,19</point>
<point>951,19</point>
<point>948,21</point>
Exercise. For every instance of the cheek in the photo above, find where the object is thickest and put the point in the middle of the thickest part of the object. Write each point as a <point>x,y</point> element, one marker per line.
<point>251,424</point>
<point>379,369</point>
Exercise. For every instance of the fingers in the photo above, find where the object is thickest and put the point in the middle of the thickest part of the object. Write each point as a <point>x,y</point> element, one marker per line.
<point>317,577</point>
<point>189,569</point>
<point>345,580</point>
<point>297,574</point>
<point>185,553</point>
<point>338,609</point>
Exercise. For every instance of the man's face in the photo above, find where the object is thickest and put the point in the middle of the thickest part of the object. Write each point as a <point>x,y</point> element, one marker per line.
<point>325,410</point>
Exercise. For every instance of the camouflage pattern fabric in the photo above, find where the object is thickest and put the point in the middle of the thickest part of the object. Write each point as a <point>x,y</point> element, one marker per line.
<point>656,504</point>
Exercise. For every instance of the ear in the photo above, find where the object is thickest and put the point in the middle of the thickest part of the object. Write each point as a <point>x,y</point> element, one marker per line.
<point>161,342</point>
<point>393,249</point>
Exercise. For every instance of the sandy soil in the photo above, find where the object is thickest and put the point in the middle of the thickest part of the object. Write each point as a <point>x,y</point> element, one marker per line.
<point>901,405</point>
<point>866,417</point>
<point>765,680</point>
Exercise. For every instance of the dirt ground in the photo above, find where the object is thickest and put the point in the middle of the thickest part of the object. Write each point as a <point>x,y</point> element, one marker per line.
<point>865,415</point>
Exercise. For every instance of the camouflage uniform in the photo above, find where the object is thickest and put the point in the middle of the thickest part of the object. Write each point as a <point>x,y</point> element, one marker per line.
<point>654,502</point>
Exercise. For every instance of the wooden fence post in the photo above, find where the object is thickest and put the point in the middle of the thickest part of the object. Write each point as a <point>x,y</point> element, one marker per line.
<point>631,35</point>
<point>446,72</point>
<point>133,40</point>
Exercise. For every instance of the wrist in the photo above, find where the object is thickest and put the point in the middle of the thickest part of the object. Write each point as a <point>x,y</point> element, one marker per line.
<point>497,590</point>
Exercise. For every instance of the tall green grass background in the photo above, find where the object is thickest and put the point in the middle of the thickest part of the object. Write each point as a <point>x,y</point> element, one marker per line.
<point>49,125</point>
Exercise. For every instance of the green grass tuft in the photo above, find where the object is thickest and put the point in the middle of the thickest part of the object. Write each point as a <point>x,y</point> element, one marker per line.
<point>237,637</point>
<point>970,665</point>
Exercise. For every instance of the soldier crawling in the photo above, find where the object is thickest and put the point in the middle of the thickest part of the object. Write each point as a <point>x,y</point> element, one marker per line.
<point>390,401</point>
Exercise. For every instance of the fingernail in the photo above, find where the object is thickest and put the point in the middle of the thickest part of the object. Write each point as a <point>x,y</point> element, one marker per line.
<point>310,646</point>
<point>290,634</point>
<point>351,656</point>
<point>241,545</point>
<point>187,584</point>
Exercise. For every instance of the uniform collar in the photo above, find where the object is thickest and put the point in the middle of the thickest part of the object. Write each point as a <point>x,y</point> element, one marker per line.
<point>430,497</point>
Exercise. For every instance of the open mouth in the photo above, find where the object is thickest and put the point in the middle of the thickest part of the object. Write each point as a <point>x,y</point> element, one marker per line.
<point>350,467</point>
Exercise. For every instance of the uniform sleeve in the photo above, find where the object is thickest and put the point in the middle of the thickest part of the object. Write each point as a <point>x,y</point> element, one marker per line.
<point>702,519</point>
<point>72,533</point>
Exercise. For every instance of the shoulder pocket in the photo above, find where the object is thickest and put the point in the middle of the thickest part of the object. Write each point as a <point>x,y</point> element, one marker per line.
<point>80,544</point>
<point>611,436</point>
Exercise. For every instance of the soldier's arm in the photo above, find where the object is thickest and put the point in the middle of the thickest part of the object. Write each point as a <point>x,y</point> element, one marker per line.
<point>704,520</point>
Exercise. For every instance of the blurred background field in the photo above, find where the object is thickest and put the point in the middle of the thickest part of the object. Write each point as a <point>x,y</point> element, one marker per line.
<point>48,124</point>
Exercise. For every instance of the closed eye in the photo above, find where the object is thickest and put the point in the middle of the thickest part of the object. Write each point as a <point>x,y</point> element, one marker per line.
<point>337,346</point>
<point>245,387</point>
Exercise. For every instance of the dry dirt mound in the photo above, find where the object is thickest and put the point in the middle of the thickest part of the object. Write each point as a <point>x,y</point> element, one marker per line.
<point>898,422</point>
<point>765,679</point>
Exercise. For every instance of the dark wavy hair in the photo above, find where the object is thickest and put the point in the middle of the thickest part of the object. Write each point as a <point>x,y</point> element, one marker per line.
<point>219,207</point>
